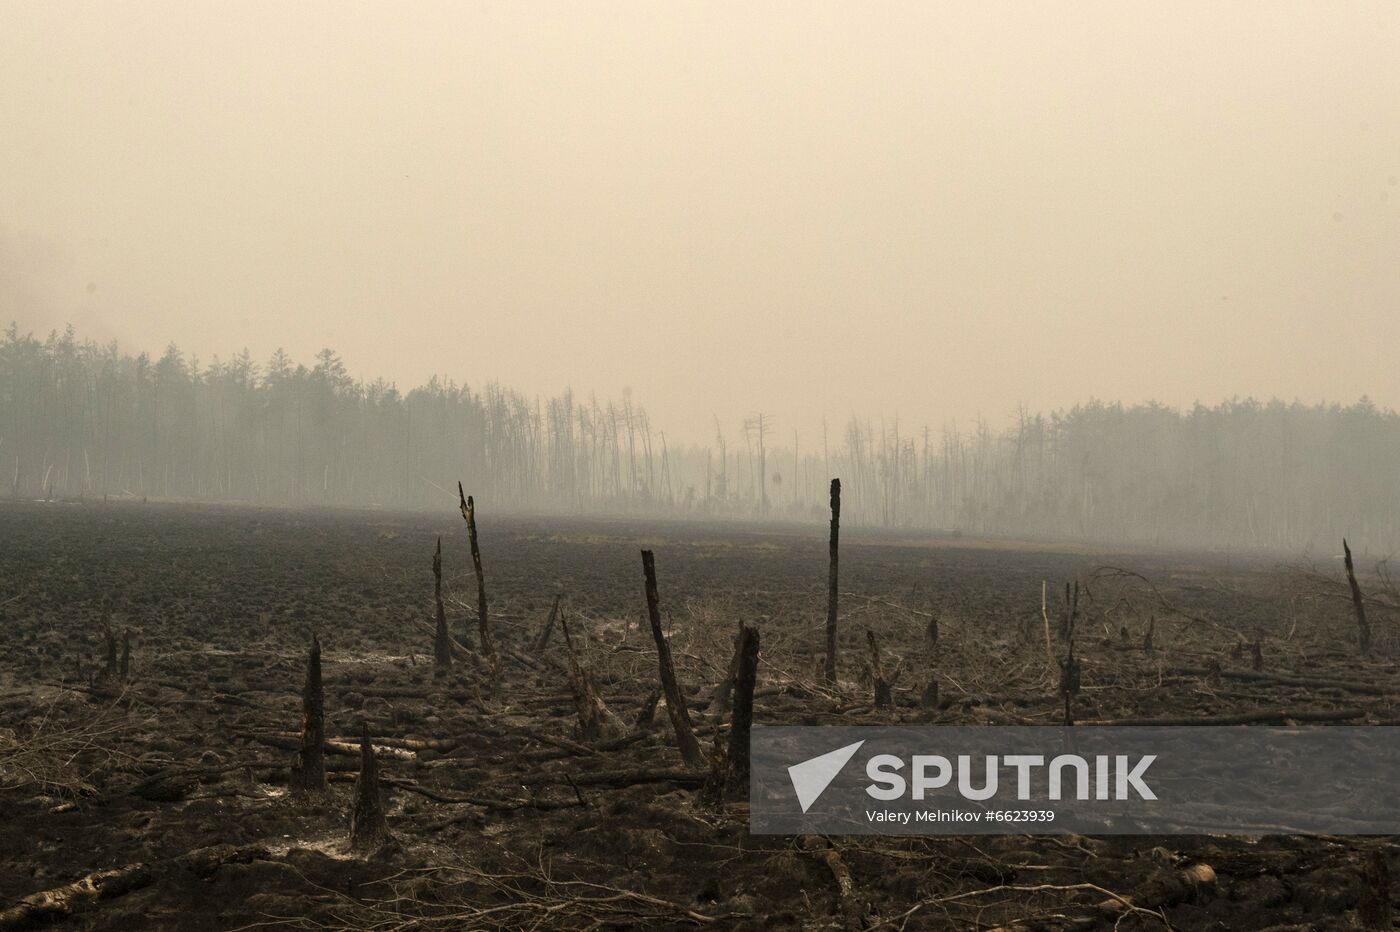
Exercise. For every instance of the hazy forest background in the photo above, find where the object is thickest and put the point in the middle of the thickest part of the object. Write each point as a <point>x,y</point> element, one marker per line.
<point>79,419</point>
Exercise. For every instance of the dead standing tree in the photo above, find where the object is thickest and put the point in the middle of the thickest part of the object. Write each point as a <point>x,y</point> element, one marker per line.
<point>1363,626</point>
<point>442,643</point>
<point>831,582</point>
<point>309,772</point>
<point>483,623</point>
<point>675,702</point>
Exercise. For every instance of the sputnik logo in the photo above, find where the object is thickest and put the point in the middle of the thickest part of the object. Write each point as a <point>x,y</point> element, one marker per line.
<point>811,777</point>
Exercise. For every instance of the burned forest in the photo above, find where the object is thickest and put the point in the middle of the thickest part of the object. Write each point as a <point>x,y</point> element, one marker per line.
<point>621,465</point>
<point>288,738</point>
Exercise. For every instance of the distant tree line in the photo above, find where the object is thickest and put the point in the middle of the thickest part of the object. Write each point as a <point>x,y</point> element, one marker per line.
<point>82,419</point>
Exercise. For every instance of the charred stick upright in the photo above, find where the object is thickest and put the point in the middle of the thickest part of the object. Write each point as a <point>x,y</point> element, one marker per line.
<point>675,702</point>
<point>831,581</point>
<point>442,643</point>
<point>483,623</point>
<point>1363,626</point>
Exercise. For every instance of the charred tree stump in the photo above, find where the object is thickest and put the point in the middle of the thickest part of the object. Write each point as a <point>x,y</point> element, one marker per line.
<point>442,642</point>
<point>1374,908</point>
<point>647,713</point>
<point>1147,638</point>
<point>675,702</point>
<point>368,830</point>
<point>729,765</point>
<point>725,690</point>
<point>543,639</point>
<point>309,772</point>
<point>1363,627</point>
<point>1069,682</point>
<point>126,656</point>
<point>831,581</point>
<point>741,721</point>
<point>483,620</point>
<point>884,688</point>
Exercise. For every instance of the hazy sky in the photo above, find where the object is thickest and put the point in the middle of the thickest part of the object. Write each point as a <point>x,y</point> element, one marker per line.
<point>930,210</point>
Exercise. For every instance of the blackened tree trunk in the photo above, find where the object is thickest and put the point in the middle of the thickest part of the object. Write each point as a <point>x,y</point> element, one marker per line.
<point>1363,626</point>
<point>442,643</point>
<point>309,774</point>
<point>831,581</point>
<point>675,702</point>
<point>742,720</point>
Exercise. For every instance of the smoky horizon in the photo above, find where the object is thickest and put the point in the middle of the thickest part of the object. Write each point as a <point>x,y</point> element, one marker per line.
<point>933,212</point>
<point>1101,271</point>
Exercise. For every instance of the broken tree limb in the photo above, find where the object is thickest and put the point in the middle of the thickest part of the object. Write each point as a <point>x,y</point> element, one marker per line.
<point>483,622</point>
<point>832,589</point>
<point>675,702</point>
<point>309,771</point>
<point>543,639</point>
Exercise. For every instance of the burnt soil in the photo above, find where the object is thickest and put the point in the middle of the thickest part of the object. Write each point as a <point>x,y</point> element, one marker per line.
<point>505,817</point>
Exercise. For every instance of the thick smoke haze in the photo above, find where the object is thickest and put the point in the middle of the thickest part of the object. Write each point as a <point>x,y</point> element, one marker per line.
<point>935,211</point>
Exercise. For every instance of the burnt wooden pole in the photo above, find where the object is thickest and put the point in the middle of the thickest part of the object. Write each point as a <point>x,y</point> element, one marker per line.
<point>742,719</point>
<point>310,770</point>
<point>675,702</point>
<point>831,581</point>
<point>483,622</point>
<point>1363,626</point>
<point>442,643</point>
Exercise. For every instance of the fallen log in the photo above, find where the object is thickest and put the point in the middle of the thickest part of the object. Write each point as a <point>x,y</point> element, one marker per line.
<point>1281,679</point>
<point>688,778</point>
<point>72,898</point>
<point>848,901</point>
<point>1259,717</point>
